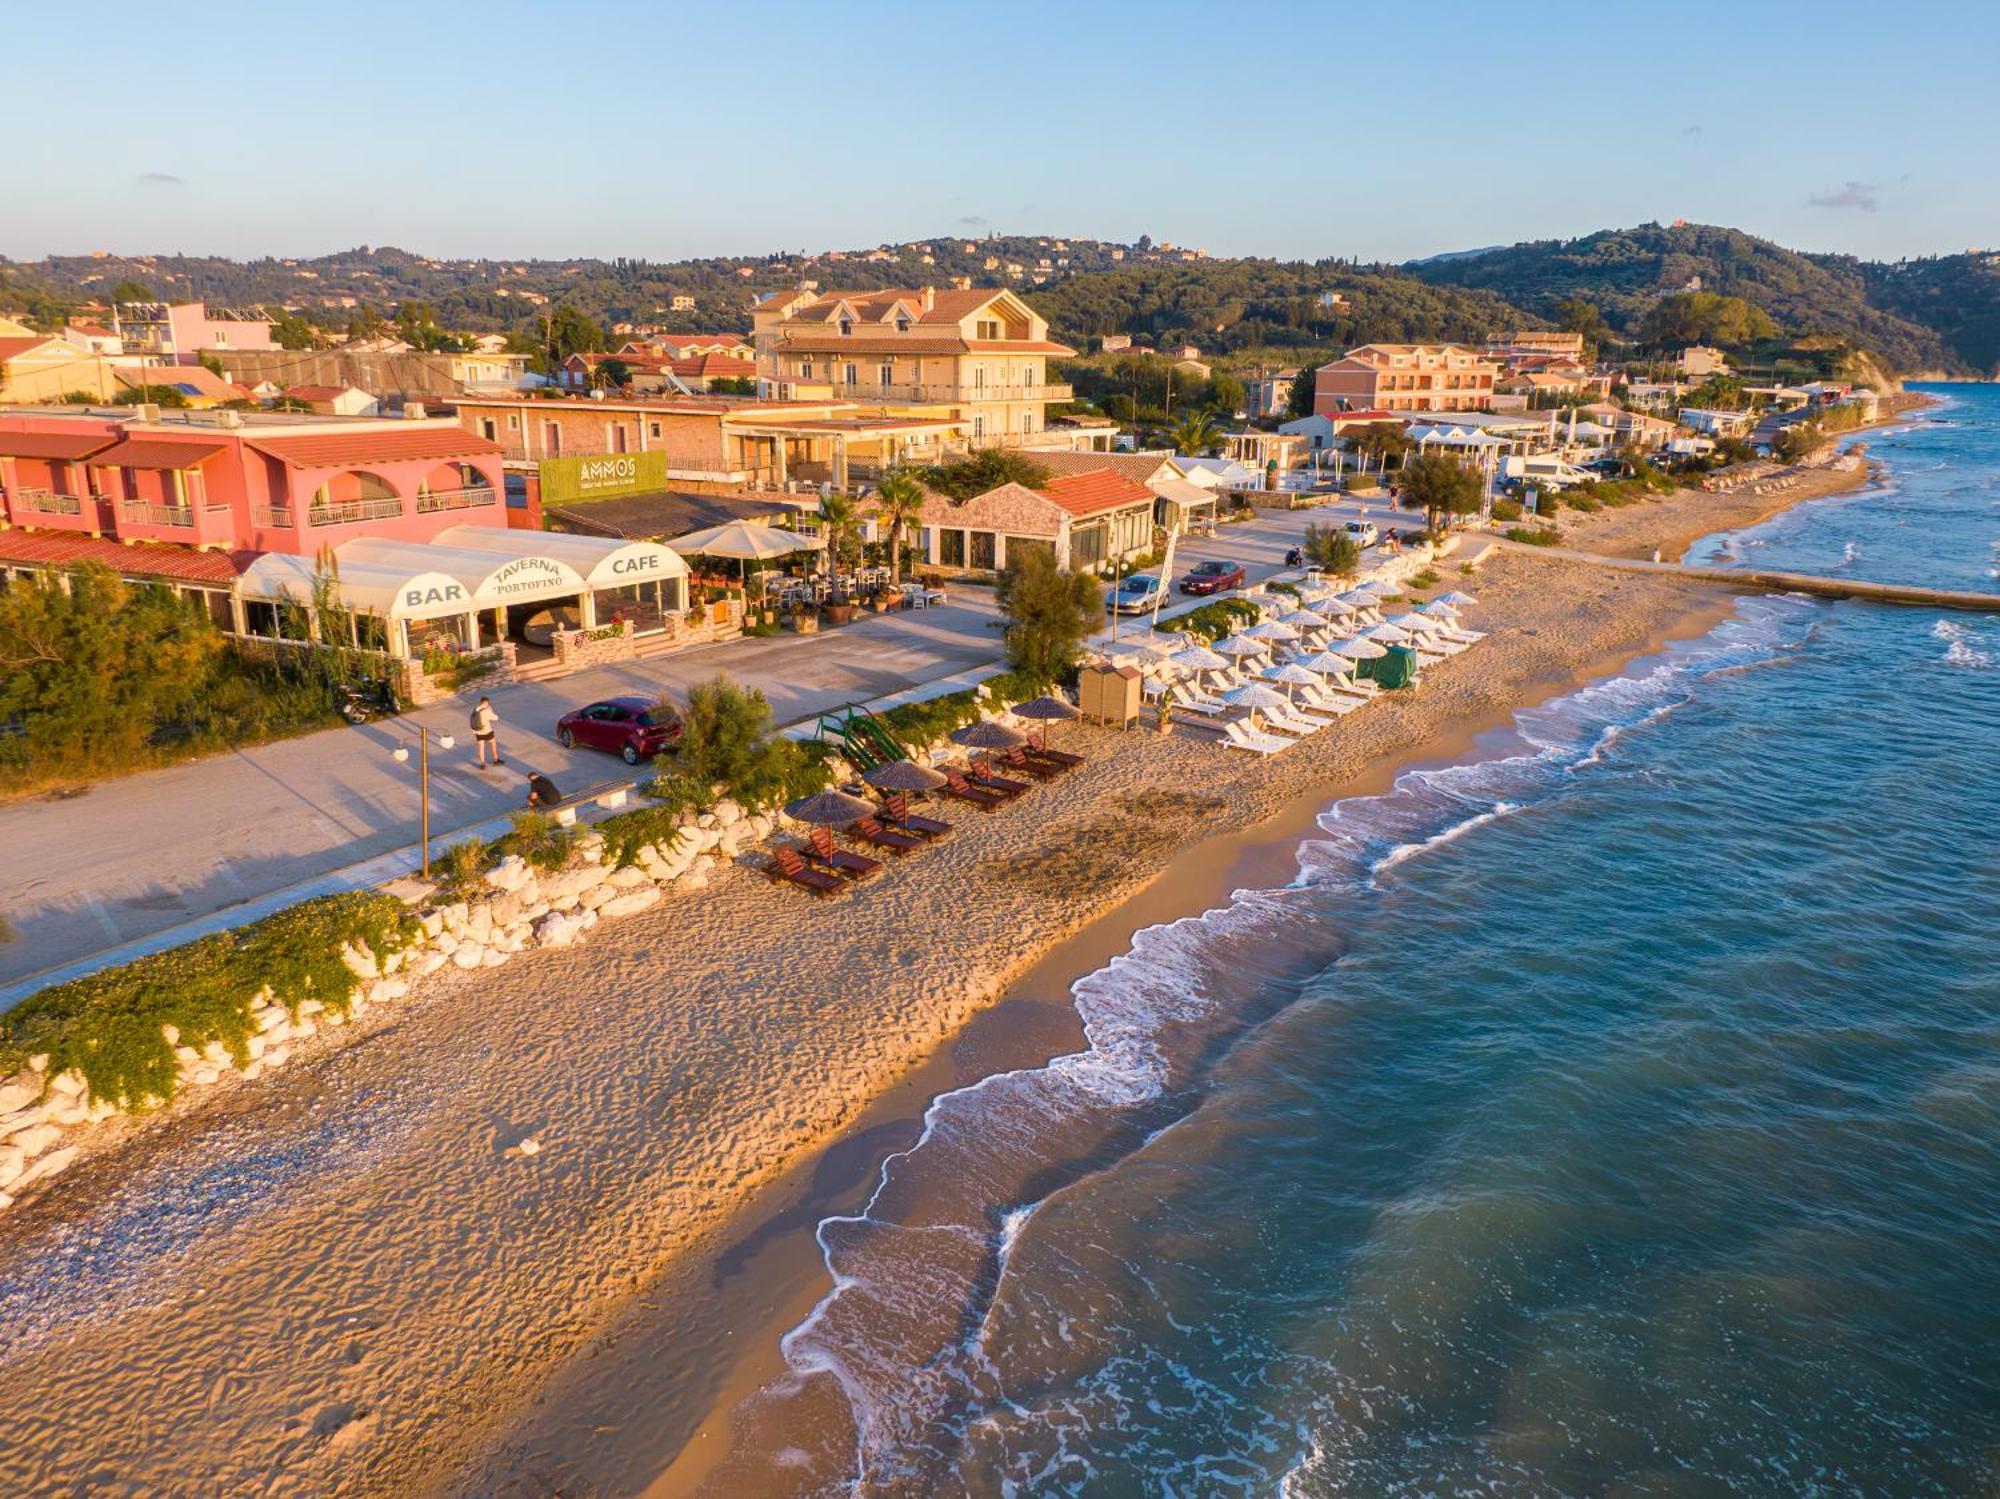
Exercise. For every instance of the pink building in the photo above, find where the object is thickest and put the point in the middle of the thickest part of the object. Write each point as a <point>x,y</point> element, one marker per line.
<point>179,332</point>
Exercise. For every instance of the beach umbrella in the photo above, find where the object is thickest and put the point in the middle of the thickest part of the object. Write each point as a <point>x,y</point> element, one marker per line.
<point>986,734</point>
<point>1257,698</point>
<point>1359,598</point>
<point>1306,619</point>
<point>1291,674</point>
<point>1047,709</point>
<point>1377,588</point>
<point>1333,607</point>
<point>1272,629</point>
<point>831,809</point>
<point>1456,599</point>
<point>1416,624</point>
<point>744,540</point>
<point>1241,645</point>
<point>903,775</point>
<point>1360,649</point>
<point>1198,658</point>
<point>1393,634</point>
<point>1147,651</point>
<point>1438,609</point>
<point>1328,661</point>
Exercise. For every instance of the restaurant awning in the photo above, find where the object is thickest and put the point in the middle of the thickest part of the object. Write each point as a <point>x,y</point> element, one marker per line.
<point>145,452</point>
<point>601,561</point>
<point>1182,492</point>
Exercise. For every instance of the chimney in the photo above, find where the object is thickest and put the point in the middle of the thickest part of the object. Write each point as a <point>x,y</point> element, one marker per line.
<point>930,299</point>
<point>146,411</point>
<point>229,419</point>
<point>413,411</point>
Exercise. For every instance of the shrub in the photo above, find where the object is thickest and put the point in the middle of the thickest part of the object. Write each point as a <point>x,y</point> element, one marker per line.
<point>539,839</point>
<point>107,1025</point>
<point>921,723</point>
<point>727,740</point>
<point>1535,536</point>
<point>628,832</point>
<point>1331,549</point>
<point>1507,510</point>
<point>1050,613</point>
<point>1214,619</point>
<point>463,865</point>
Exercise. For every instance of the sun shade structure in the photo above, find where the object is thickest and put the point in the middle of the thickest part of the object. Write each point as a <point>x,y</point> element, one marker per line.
<point>1360,650</point>
<point>744,541</point>
<point>1305,619</point>
<point>831,809</point>
<point>903,775</point>
<point>1329,661</point>
<point>1438,609</point>
<point>1416,624</point>
<point>1391,634</point>
<point>987,734</point>
<point>1291,673</point>
<point>1272,629</point>
<point>1045,707</point>
<point>1199,658</point>
<point>1241,645</point>
<point>1456,599</point>
<point>1257,698</point>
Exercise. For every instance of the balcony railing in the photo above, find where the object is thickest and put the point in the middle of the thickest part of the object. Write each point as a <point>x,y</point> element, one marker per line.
<point>29,498</point>
<point>353,510</point>
<point>866,390</point>
<point>147,514</point>
<point>470,497</point>
<point>271,515</point>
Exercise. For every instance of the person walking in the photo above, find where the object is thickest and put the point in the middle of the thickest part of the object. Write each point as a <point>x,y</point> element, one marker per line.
<point>485,726</point>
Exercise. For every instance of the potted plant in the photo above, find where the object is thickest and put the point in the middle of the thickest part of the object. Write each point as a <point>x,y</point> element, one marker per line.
<point>1163,716</point>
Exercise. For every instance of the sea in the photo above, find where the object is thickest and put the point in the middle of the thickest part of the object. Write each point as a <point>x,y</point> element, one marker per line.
<point>1614,1113</point>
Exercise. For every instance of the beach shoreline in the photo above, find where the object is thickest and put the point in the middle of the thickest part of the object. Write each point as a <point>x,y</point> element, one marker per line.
<point>671,1072</point>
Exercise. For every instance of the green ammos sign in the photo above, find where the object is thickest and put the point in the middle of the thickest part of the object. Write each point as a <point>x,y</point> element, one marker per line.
<point>601,476</point>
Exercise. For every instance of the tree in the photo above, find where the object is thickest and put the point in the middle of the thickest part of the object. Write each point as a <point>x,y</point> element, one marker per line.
<point>1380,441</point>
<point>612,373</point>
<point>1049,612</point>
<point>131,291</point>
<point>727,741</point>
<point>1440,486</point>
<point>988,468</point>
<point>1799,441</point>
<point>838,513</point>
<point>366,322</point>
<point>1226,394</point>
<point>210,363</point>
<point>290,331</point>
<point>1300,403</point>
<point>1197,434</point>
<point>1696,317</point>
<point>900,498</point>
<point>150,395</point>
<point>1331,550</point>
<point>732,385</point>
<point>566,331</point>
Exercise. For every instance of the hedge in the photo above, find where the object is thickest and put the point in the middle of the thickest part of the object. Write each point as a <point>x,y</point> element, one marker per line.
<point>1214,619</point>
<point>107,1025</point>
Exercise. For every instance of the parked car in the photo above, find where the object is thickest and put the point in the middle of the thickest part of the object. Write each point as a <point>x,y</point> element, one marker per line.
<point>1364,533</point>
<point>1213,577</point>
<point>634,728</point>
<point>1134,595</point>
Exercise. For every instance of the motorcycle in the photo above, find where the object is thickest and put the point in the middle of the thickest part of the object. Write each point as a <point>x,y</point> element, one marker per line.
<point>366,700</point>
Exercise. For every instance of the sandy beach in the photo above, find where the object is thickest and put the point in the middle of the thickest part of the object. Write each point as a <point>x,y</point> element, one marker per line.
<point>351,1279</point>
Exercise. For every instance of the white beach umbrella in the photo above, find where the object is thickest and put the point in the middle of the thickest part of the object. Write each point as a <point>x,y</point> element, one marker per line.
<point>1333,607</point>
<point>1375,587</point>
<point>1291,674</point>
<point>1438,609</point>
<point>1199,658</point>
<point>1272,629</point>
<point>1416,624</point>
<point>1394,634</point>
<point>1456,599</point>
<point>1360,649</point>
<point>1329,661</point>
<point>1256,697</point>
<point>1305,619</point>
<point>745,541</point>
<point>1242,645</point>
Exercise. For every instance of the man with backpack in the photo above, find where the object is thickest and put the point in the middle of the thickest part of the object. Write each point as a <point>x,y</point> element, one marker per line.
<point>485,722</point>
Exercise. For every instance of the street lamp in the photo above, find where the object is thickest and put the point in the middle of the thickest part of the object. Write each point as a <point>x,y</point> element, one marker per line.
<point>401,754</point>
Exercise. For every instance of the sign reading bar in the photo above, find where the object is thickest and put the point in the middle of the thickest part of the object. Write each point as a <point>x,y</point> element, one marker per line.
<point>601,476</point>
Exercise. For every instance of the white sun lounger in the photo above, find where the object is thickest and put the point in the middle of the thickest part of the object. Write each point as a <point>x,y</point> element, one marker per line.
<point>1322,701</point>
<point>1186,697</point>
<point>1292,721</point>
<point>1238,735</point>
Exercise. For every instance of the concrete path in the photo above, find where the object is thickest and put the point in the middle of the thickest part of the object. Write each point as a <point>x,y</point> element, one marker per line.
<point>154,859</point>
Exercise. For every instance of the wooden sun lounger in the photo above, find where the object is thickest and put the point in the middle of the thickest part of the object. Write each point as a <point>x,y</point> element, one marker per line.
<point>1055,756</point>
<point>786,867</point>
<point>956,785</point>
<point>821,850</point>
<point>897,810</point>
<point>872,833</point>
<point>981,773</point>
<point>1042,770</point>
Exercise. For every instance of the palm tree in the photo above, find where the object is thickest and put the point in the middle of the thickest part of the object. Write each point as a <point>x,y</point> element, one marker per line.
<point>1196,433</point>
<point>837,514</point>
<point>901,500</point>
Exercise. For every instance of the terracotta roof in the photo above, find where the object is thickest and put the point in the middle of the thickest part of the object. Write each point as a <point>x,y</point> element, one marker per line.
<point>74,444</point>
<point>198,379</point>
<point>182,564</point>
<point>1136,466</point>
<point>382,445</point>
<point>13,348</point>
<point>317,392</point>
<point>1099,489</point>
<point>915,343</point>
<point>92,330</point>
<point>709,366</point>
<point>156,452</point>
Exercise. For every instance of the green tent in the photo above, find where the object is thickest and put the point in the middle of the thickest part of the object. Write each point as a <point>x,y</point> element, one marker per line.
<point>1397,669</point>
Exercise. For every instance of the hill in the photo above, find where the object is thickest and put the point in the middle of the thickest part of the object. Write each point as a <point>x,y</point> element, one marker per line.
<point>1958,295</point>
<point>1624,272</point>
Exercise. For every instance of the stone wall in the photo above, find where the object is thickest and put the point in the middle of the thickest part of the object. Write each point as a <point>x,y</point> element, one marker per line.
<point>417,688</point>
<point>577,649</point>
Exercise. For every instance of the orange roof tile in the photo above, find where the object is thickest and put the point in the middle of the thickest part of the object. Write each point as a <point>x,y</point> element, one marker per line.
<point>381,445</point>
<point>63,549</point>
<point>1098,490</point>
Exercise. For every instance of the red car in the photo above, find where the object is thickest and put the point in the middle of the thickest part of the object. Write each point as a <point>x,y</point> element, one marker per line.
<point>635,728</point>
<point>1212,577</point>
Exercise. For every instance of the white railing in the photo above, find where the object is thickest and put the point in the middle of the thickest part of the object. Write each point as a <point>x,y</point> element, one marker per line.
<point>272,515</point>
<point>353,510</point>
<point>470,497</point>
<point>157,515</point>
<point>45,501</point>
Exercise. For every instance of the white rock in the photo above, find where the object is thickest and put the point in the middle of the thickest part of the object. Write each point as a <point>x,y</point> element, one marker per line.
<point>468,955</point>
<point>631,903</point>
<point>13,1161</point>
<point>255,1047</point>
<point>204,1076</point>
<point>479,924</point>
<point>18,1093</point>
<point>49,1165</point>
<point>692,882</point>
<point>277,1056</point>
<point>511,873</point>
<point>626,879</point>
<point>313,1006</point>
<point>303,1028</point>
<point>446,943</point>
<point>36,1140</point>
<point>171,1034</point>
<point>69,1112</point>
<point>360,961</point>
<point>504,910</point>
<point>20,1119</point>
<point>69,1083</point>
<point>333,1017</point>
<point>433,923</point>
<point>386,991</point>
<point>254,1071</point>
<point>530,1146</point>
<point>588,919</point>
<point>270,1020</point>
<point>186,1055</point>
<point>557,929</point>
<point>494,958</point>
<point>530,893</point>
<point>39,1062</point>
<point>102,1109</point>
<point>432,962</point>
<point>706,820</point>
<point>727,813</point>
<point>596,896</point>
<point>216,1053</point>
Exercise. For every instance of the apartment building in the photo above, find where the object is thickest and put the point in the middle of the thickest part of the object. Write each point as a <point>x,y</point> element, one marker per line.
<point>979,358</point>
<point>180,332</point>
<point>1528,343</point>
<point>1405,377</point>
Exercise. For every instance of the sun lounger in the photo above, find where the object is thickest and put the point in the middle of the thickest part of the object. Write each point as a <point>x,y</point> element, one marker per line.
<point>823,852</point>
<point>786,867</point>
<point>1042,770</point>
<point>1293,721</point>
<point>1319,700</point>
<point>897,810</point>
<point>1186,697</point>
<point>981,773</point>
<point>955,784</point>
<point>872,833</point>
<point>1239,735</point>
<point>1055,756</point>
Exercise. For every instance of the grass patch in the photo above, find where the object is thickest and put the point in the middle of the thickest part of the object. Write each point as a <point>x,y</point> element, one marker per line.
<point>539,840</point>
<point>107,1025</point>
<point>1535,536</point>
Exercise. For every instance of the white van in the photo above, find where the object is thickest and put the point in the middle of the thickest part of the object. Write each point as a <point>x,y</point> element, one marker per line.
<point>1544,470</point>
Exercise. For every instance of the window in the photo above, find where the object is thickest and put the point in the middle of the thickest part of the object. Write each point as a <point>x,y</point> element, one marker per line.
<point>1027,421</point>
<point>888,374</point>
<point>488,428</point>
<point>805,369</point>
<point>951,548</point>
<point>847,327</point>
<point>514,422</point>
<point>979,425</point>
<point>552,437</point>
<point>853,375</point>
<point>987,329</point>
<point>902,322</point>
<point>653,431</point>
<point>982,551</point>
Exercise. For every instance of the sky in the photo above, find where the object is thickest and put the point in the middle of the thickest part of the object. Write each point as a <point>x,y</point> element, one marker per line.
<point>519,128</point>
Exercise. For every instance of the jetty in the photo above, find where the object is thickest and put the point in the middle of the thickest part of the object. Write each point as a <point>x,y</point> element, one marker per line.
<point>1762,580</point>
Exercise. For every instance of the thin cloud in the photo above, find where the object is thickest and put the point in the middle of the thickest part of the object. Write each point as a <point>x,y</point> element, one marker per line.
<point>973,220</point>
<point>1864,196</point>
<point>1692,130</point>
<point>160,179</point>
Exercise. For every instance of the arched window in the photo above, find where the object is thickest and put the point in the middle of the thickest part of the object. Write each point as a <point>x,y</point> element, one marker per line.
<point>354,495</point>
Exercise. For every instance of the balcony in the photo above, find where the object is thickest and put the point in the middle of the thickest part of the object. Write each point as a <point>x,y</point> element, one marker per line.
<point>143,513</point>
<point>272,515</point>
<point>863,390</point>
<point>30,500</point>
<point>471,497</point>
<point>350,511</point>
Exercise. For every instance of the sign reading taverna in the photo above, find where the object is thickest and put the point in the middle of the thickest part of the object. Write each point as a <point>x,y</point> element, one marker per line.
<point>601,476</point>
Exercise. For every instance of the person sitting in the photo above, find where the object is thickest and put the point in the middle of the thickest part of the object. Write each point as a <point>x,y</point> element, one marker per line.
<point>542,793</point>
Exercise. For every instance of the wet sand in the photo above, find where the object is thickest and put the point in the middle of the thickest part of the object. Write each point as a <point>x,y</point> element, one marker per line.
<point>351,1281</point>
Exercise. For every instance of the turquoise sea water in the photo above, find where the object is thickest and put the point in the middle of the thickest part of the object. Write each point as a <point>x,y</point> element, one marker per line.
<point>1618,1113</point>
